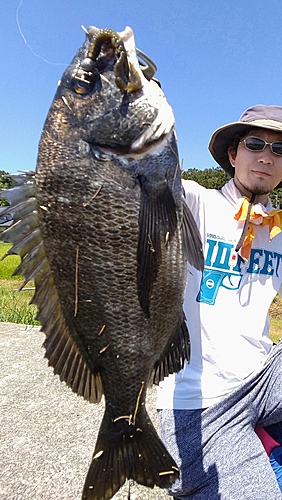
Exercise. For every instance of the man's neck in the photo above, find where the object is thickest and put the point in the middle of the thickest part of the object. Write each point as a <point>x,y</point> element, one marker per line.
<point>259,198</point>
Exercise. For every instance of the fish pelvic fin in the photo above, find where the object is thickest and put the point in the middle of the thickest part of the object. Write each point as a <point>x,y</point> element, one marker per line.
<point>192,242</point>
<point>127,451</point>
<point>63,350</point>
<point>174,355</point>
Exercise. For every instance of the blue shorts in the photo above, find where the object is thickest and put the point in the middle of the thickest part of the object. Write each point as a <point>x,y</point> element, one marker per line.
<point>219,455</point>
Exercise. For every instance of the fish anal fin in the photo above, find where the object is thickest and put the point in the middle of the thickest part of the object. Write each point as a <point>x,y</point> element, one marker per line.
<point>128,452</point>
<point>157,217</point>
<point>174,356</point>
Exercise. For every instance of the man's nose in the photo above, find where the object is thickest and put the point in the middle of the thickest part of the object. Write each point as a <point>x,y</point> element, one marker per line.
<point>266,156</point>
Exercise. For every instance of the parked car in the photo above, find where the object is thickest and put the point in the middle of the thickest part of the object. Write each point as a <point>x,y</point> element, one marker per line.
<point>5,218</point>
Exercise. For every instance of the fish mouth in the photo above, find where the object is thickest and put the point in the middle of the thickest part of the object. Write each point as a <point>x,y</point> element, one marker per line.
<point>118,48</point>
<point>145,63</point>
<point>142,146</point>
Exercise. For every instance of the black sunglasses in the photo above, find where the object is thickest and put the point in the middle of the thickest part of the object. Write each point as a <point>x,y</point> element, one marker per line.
<point>255,144</point>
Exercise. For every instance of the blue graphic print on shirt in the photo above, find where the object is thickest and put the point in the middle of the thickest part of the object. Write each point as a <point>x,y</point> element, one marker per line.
<point>224,268</point>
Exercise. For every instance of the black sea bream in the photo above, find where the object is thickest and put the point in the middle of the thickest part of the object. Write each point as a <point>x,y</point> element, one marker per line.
<point>103,230</point>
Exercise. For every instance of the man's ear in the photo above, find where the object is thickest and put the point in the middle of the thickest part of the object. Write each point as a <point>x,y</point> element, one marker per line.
<point>232,156</point>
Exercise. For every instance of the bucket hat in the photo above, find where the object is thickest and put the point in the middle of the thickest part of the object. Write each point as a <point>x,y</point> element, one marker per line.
<point>261,116</point>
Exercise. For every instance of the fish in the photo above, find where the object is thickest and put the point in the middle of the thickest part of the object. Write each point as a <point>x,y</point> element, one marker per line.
<point>103,229</point>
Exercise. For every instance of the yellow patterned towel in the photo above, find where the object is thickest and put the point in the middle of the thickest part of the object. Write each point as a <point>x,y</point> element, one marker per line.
<point>257,217</point>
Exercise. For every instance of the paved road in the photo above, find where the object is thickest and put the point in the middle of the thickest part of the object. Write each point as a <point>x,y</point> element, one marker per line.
<point>47,433</point>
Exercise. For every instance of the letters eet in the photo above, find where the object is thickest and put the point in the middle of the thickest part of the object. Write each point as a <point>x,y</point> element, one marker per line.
<point>225,268</point>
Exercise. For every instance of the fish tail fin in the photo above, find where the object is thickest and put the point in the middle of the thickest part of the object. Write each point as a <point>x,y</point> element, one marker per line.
<point>128,452</point>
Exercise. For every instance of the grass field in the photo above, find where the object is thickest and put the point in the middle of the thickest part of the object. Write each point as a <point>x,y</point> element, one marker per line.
<point>15,308</point>
<point>9,264</point>
<point>14,305</point>
<point>276,319</point>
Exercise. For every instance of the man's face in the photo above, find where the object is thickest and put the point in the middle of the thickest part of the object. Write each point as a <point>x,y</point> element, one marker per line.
<point>257,172</point>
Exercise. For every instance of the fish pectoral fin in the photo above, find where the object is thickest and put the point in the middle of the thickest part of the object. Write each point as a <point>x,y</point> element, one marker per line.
<point>174,356</point>
<point>126,451</point>
<point>157,220</point>
<point>62,350</point>
<point>192,242</point>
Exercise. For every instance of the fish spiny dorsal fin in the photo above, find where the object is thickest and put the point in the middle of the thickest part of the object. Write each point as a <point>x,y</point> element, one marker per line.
<point>62,350</point>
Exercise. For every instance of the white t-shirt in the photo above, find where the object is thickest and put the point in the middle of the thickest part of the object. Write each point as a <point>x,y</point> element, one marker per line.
<point>226,307</point>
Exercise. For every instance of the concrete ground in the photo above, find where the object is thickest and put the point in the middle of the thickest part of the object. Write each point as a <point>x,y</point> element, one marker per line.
<point>47,433</point>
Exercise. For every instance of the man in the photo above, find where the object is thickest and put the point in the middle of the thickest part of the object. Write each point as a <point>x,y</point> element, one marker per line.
<point>233,384</point>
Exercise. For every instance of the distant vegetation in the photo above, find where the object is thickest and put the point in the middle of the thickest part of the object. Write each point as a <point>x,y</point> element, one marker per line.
<point>212,178</point>
<point>5,182</point>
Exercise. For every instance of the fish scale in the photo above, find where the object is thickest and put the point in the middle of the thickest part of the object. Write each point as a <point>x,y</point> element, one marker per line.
<point>104,231</point>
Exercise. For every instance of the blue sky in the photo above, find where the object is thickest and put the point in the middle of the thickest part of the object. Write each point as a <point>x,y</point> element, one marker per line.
<point>215,58</point>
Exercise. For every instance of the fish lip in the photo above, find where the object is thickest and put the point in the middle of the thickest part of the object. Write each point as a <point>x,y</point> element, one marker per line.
<point>147,148</point>
<point>92,31</point>
<point>116,149</point>
<point>158,130</point>
<point>139,146</point>
<point>126,33</point>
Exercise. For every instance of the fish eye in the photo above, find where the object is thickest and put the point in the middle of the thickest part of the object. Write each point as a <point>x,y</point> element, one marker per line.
<point>83,81</point>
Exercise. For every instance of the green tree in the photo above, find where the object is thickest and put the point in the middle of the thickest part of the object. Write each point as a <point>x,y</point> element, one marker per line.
<point>5,181</point>
<point>211,178</point>
<point>276,197</point>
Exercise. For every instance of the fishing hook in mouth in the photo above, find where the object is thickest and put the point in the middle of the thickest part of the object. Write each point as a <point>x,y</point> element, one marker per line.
<point>150,69</point>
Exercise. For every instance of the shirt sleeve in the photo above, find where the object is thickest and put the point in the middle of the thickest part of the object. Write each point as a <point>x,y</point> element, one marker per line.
<point>193,192</point>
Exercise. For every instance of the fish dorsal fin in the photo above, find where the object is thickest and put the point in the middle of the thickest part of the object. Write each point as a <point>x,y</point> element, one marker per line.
<point>62,350</point>
<point>157,217</point>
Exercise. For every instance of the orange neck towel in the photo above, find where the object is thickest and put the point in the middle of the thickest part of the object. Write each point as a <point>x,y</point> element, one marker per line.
<point>258,217</point>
